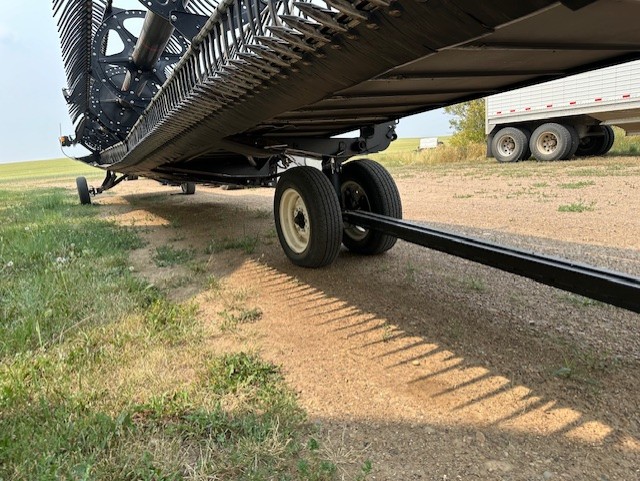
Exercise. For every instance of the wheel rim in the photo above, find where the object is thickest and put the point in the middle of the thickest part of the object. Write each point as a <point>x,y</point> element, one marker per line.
<point>294,221</point>
<point>506,145</point>
<point>354,197</point>
<point>547,142</point>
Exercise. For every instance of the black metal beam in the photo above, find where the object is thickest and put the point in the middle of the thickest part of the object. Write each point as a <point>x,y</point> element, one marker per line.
<point>614,288</point>
<point>456,74</point>
<point>551,47</point>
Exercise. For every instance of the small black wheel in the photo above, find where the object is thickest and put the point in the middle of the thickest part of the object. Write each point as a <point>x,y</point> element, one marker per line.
<point>551,141</point>
<point>83,191</point>
<point>366,185</point>
<point>308,217</point>
<point>510,144</point>
<point>188,188</point>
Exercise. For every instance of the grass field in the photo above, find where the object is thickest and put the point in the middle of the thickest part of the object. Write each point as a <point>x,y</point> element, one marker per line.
<point>46,169</point>
<point>102,377</point>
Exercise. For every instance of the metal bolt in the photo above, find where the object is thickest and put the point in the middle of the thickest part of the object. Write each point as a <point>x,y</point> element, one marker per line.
<point>174,18</point>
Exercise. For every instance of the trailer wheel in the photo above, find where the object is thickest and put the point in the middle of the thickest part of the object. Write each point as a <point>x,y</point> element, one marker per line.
<point>526,155</point>
<point>551,142</point>
<point>188,188</point>
<point>366,185</point>
<point>509,144</point>
<point>610,137</point>
<point>592,144</point>
<point>308,217</point>
<point>575,141</point>
<point>83,191</point>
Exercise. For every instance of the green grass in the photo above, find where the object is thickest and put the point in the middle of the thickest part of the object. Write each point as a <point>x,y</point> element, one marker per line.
<point>403,152</point>
<point>625,145</point>
<point>245,243</point>
<point>577,207</point>
<point>103,378</point>
<point>474,284</point>
<point>60,266</point>
<point>167,256</point>
<point>45,169</point>
<point>577,185</point>
<point>233,316</point>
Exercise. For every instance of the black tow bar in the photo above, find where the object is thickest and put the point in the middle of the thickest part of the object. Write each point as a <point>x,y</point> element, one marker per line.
<point>611,287</point>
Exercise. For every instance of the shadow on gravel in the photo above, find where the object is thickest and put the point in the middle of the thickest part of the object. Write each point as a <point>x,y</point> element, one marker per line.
<point>470,347</point>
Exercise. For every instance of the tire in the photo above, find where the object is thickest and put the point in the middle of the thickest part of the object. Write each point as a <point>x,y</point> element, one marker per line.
<point>83,191</point>
<point>509,144</point>
<point>188,188</point>
<point>610,139</point>
<point>591,145</point>
<point>575,142</point>
<point>366,185</point>
<point>551,142</point>
<point>308,217</point>
<point>527,151</point>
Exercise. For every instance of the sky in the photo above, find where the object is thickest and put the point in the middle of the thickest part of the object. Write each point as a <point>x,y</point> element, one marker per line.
<point>33,111</point>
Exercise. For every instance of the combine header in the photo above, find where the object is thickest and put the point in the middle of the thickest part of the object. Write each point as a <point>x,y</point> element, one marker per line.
<point>234,92</point>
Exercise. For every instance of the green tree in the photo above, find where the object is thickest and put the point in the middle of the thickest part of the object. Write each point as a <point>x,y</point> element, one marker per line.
<point>467,122</point>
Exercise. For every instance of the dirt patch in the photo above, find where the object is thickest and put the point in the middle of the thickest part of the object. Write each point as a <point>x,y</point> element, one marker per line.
<point>433,367</point>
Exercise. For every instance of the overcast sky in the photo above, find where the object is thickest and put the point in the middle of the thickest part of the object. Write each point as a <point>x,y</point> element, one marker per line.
<point>32,109</point>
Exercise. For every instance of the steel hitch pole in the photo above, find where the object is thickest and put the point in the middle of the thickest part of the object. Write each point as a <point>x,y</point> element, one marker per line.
<point>621,290</point>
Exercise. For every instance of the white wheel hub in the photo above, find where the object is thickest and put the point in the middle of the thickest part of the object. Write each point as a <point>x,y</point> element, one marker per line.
<point>547,142</point>
<point>507,145</point>
<point>294,221</point>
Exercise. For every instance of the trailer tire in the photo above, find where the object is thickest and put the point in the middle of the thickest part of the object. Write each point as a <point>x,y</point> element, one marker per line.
<point>83,191</point>
<point>308,217</point>
<point>509,144</point>
<point>551,142</point>
<point>527,151</point>
<point>591,145</point>
<point>366,185</point>
<point>575,141</point>
<point>610,137</point>
<point>188,188</point>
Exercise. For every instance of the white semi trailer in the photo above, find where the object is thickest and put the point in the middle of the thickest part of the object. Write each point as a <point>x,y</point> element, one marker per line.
<point>566,117</point>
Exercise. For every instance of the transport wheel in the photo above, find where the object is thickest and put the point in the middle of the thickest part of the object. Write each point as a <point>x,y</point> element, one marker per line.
<point>551,142</point>
<point>510,144</point>
<point>308,217</point>
<point>610,137</point>
<point>366,185</point>
<point>83,191</point>
<point>188,188</point>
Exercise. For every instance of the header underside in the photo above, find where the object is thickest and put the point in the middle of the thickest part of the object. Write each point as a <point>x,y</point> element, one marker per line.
<point>261,73</point>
